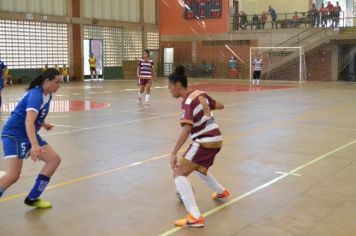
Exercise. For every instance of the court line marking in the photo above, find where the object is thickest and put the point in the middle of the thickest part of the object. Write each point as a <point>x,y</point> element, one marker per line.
<point>67,126</point>
<point>285,173</point>
<point>82,178</point>
<point>265,185</point>
<point>109,125</point>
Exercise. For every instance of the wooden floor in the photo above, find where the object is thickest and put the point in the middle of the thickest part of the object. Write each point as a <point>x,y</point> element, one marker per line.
<point>288,159</point>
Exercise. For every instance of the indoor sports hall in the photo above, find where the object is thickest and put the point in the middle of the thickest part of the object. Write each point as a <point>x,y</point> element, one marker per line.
<point>284,71</point>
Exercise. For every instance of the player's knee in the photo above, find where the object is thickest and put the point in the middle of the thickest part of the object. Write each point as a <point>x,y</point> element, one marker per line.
<point>57,160</point>
<point>54,161</point>
<point>180,170</point>
<point>12,177</point>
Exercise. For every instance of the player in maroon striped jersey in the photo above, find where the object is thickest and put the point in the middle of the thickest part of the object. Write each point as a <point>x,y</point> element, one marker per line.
<point>144,76</point>
<point>197,120</point>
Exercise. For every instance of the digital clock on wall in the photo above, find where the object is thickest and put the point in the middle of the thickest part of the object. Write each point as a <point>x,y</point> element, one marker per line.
<point>196,9</point>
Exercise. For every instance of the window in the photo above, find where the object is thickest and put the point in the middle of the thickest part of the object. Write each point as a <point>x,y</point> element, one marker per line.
<point>26,44</point>
<point>112,39</point>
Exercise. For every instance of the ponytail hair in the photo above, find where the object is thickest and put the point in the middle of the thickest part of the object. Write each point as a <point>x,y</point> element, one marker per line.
<point>179,76</point>
<point>49,74</point>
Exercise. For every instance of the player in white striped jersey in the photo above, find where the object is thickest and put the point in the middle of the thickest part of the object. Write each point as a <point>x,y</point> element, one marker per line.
<point>257,68</point>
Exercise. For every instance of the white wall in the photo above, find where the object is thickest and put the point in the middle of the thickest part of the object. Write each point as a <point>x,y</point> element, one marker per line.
<point>46,7</point>
<point>281,6</point>
<point>121,10</point>
<point>149,11</point>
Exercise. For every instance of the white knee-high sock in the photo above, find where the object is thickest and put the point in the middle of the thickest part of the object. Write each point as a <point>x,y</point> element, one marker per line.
<point>147,97</point>
<point>140,95</point>
<point>186,192</point>
<point>258,82</point>
<point>211,182</point>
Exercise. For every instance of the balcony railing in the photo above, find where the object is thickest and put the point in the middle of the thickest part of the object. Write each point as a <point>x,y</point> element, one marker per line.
<point>289,20</point>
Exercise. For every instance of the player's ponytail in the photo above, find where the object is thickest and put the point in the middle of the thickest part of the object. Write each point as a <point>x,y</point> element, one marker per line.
<point>179,76</point>
<point>50,74</point>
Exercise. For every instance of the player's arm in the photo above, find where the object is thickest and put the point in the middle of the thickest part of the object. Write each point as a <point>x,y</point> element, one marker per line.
<point>138,71</point>
<point>31,116</point>
<point>47,126</point>
<point>219,106</point>
<point>180,142</point>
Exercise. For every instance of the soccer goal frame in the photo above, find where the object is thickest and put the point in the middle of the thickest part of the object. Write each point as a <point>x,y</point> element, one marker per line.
<point>302,66</point>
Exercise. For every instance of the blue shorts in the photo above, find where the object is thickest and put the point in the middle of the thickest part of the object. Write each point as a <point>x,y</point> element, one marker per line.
<point>18,146</point>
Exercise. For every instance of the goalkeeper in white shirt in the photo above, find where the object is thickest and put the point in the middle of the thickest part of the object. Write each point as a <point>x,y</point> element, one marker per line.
<point>257,68</point>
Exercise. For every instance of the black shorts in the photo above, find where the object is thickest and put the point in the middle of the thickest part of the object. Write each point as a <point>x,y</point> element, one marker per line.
<point>92,69</point>
<point>256,74</point>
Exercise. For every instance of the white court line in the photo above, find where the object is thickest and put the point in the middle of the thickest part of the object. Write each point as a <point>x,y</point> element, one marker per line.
<point>67,126</point>
<point>131,89</point>
<point>111,125</point>
<point>100,92</point>
<point>57,116</point>
<point>285,173</point>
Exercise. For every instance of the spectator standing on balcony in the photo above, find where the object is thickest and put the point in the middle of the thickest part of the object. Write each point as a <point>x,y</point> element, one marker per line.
<point>324,15</point>
<point>263,20</point>
<point>316,15</point>
<point>273,14</point>
<point>243,20</point>
<point>336,14</point>
<point>330,7</point>
<point>255,22</point>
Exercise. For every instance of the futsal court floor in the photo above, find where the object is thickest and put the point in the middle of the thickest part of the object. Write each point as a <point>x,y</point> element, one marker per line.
<point>288,158</point>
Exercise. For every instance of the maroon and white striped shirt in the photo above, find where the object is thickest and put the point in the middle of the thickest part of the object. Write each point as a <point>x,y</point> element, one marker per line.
<point>197,109</point>
<point>145,68</point>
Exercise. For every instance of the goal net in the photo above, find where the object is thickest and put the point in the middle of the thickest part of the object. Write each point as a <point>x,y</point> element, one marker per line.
<point>280,63</point>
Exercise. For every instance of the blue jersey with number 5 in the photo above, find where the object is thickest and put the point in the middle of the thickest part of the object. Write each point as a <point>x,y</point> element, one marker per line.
<point>33,100</point>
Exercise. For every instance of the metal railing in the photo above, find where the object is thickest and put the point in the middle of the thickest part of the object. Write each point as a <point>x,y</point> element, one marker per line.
<point>287,20</point>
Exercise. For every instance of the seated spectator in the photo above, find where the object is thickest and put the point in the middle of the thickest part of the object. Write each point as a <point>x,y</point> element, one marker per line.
<point>45,67</point>
<point>243,20</point>
<point>233,67</point>
<point>213,69</point>
<point>7,76</point>
<point>255,22</point>
<point>295,20</point>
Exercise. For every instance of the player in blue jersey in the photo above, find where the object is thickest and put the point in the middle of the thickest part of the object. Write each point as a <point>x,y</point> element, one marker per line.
<point>2,79</point>
<point>20,136</point>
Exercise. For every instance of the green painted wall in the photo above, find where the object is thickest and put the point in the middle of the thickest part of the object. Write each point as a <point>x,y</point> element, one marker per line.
<point>112,73</point>
<point>24,75</point>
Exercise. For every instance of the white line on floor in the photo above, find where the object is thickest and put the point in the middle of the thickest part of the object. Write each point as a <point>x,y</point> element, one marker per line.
<point>285,173</point>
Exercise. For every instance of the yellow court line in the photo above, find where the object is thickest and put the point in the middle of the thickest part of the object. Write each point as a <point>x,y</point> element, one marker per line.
<point>238,198</point>
<point>79,179</point>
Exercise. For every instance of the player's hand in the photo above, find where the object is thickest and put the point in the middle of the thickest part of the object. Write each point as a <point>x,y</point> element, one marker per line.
<point>36,152</point>
<point>173,161</point>
<point>138,81</point>
<point>47,127</point>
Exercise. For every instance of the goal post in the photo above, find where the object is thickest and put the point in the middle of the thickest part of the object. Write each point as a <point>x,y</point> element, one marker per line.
<point>280,63</point>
